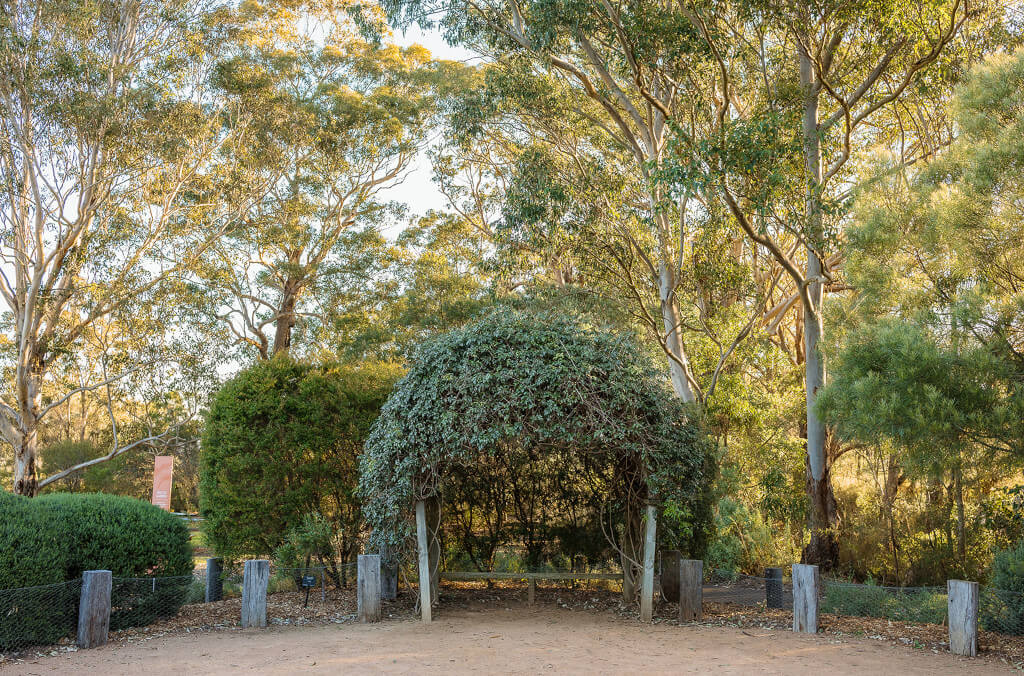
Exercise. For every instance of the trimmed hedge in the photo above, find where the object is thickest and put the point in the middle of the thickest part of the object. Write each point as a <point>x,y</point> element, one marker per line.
<point>54,538</point>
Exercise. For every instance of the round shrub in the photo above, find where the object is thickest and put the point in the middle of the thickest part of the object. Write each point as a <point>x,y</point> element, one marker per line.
<point>524,386</point>
<point>54,538</point>
<point>282,441</point>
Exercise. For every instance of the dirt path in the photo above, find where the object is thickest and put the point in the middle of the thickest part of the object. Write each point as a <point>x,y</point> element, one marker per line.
<point>518,640</point>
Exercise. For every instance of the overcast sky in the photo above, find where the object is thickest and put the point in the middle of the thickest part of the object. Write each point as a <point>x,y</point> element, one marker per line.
<point>418,189</point>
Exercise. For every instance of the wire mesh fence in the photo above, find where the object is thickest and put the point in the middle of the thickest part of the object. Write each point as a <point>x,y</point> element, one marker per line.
<point>1001,611</point>
<point>138,601</point>
<point>38,615</point>
<point>727,587</point>
<point>904,604</point>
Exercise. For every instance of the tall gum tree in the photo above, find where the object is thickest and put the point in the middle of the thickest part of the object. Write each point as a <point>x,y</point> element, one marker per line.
<point>339,120</point>
<point>849,67</point>
<point>105,124</point>
<point>627,68</point>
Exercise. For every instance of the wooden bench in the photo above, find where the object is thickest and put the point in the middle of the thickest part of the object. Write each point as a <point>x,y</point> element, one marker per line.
<point>531,578</point>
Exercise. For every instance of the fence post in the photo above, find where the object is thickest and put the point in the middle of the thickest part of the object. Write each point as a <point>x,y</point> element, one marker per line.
<point>94,608</point>
<point>670,575</point>
<point>647,588</point>
<point>254,593</point>
<point>806,589</point>
<point>214,580</point>
<point>691,590</point>
<point>963,617</point>
<point>368,588</point>
<point>773,587</point>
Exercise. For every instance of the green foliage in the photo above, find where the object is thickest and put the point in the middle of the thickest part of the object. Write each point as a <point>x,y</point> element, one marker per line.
<point>282,440</point>
<point>1003,608</point>
<point>937,258</point>
<point>54,538</point>
<point>744,541</point>
<point>313,538</point>
<point>520,386</point>
<point>1008,571</point>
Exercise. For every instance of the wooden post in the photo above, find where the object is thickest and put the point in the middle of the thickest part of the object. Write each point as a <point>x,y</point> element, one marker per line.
<point>691,590</point>
<point>806,590</point>
<point>388,574</point>
<point>433,514</point>
<point>94,608</point>
<point>650,542</point>
<point>214,580</point>
<point>773,587</point>
<point>368,588</point>
<point>254,593</point>
<point>323,585</point>
<point>963,617</point>
<point>670,575</point>
<point>531,591</point>
<point>424,560</point>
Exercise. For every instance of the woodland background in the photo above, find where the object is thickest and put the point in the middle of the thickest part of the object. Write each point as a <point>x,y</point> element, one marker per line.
<point>809,213</point>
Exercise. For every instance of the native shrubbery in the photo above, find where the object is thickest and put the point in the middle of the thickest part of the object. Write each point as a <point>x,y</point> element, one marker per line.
<point>282,441</point>
<point>54,538</point>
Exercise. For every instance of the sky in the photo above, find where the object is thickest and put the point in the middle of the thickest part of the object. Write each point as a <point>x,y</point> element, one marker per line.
<point>418,190</point>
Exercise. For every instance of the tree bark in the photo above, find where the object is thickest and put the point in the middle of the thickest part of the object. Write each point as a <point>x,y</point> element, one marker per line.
<point>286,317</point>
<point>678,363</point>
<point>822,549</point>
<point>23,434</point>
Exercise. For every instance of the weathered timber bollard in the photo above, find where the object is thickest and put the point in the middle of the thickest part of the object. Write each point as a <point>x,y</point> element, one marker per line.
<point>647,588</point>
<point>424,561</point>
<point>691,590</point>
<point>388,574</point>
<point>773,587</point>
<point>963,617</point>
<point>806,588</point>
<point>254,593</point>
<point>368,588</point>
<point>94,608</point>
<point>531,591</point>
<point>670,575</point>
<point>214,580</point>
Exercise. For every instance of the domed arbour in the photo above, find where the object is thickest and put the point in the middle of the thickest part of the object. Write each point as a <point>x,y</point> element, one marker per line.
<point>539,387</point>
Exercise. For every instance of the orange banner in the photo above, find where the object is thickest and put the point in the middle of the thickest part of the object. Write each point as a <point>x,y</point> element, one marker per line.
<point>163,469</point>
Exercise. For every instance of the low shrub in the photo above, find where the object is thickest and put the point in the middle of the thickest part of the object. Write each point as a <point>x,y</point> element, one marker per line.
<point>1002,603</point>
<point>52,539</point>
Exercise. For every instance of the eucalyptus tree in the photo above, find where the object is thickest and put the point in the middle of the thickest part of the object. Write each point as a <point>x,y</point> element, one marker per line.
<point>596,86</point>
<point>803,90</point>
<point>934,362</point>
<point>106,124</point>
<point>337,120</point>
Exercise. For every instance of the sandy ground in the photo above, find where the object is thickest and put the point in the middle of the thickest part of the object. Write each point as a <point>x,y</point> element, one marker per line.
<point>515,640</point>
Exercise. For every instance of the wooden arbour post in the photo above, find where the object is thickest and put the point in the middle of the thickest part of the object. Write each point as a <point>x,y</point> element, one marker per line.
<point>650,544</point>
<point>433,513</point>
<point>423,548</point>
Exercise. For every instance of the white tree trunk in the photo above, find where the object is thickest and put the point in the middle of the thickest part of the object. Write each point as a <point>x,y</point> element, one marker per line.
<point>678,362</point>
<point>821,549</point>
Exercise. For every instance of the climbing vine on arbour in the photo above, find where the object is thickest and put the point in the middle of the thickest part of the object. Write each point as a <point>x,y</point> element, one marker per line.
<point>544,384</point>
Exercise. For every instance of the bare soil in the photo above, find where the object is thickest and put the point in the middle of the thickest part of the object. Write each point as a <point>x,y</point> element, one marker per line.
<point>494,631</point>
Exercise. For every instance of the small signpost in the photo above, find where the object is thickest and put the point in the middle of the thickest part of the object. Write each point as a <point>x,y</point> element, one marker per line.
<point>308,582</point>
<point>163,469</point>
